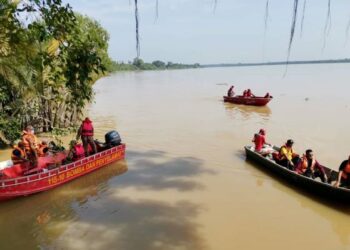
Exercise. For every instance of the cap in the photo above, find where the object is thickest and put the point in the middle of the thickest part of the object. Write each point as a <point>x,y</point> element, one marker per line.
<point>290,142</point>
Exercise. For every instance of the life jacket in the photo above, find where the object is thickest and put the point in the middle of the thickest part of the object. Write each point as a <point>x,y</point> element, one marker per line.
<point>28,139</point>
<point>42,150</point>
<point>281,156</point>
<point>86,128</point>
<point>15,159</point>
<point>245,93</point>
<point>346,171</point>
<point>78,152</point>
<point>303,165</point>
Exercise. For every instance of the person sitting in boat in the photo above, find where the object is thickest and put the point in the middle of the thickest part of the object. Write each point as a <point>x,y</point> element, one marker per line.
<point>261,146</point>
<point>267,95</point>
<point>86,132</point>
<point>249,93</point>
<point>287,157</point>
<point>309,166</point>
<point>19,155</point>
<point>230,92</point>
<point>30,142</point>
<point>344,174</point>
<point>76,151</point>
<point>43,149</point>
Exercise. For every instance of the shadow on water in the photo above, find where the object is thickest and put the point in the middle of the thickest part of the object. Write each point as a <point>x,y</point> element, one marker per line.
<point>128,223</point>
<point>26,221</point>
<point>246,111</point>
<point>123,223</point>
<point>340,225</point>
<point>173,173</point>
<point>92,213</point>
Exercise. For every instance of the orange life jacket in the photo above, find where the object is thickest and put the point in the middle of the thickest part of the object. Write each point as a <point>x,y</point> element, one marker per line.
<point>87,129</point>
<point>15,159</point>
<point>304,164</point>
<point>78,152</point>
<point>28,139</point>
<point>42,150</point>
<point>346,171</point>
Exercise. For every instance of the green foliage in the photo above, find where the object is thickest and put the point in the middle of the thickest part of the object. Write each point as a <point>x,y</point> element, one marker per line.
<point>47,65</point>
<point>10,129</point>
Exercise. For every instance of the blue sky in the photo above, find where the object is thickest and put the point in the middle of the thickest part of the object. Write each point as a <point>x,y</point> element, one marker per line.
<point>189,31</point>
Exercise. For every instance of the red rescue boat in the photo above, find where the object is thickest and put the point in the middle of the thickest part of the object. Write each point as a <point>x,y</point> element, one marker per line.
<point>16,182</point>
<point>253,101</point>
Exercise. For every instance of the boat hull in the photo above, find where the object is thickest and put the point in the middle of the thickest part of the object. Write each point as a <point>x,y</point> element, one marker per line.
<point>27,185</point>
<point>310,185</point>
<point>252,101</point>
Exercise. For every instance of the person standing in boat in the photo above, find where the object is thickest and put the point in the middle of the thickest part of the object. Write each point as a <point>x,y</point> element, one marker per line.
<point>230,92</point>
<point>30,142</point>
<point>309,166</point>
<point>260,143</point>
<point>287,157</point>
<point>344,174</point>
<point>86,132</point>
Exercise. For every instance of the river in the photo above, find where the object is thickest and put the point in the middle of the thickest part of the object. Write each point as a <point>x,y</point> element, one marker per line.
<point>185,183</point>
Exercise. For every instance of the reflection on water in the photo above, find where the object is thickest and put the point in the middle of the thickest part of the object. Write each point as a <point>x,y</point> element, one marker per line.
<point>247,111</point>
<point>45,216</point>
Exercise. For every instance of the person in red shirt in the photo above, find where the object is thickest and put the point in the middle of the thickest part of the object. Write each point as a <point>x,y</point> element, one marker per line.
<point>260,143</point>
<point>249,93</point>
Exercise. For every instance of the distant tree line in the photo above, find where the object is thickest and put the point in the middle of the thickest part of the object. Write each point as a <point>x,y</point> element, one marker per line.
<point>139,64</point>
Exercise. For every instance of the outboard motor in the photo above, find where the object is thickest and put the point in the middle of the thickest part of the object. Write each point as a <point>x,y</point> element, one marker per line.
<point>112,139</point>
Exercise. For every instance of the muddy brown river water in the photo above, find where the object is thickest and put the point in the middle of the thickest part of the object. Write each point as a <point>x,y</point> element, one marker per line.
<point>185,183</point>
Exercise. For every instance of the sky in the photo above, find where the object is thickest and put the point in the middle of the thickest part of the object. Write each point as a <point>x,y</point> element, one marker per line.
<point>190,31</point>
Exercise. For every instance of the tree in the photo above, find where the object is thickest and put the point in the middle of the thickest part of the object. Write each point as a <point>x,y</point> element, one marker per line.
<point>159,64</point>
<point>47,68</point>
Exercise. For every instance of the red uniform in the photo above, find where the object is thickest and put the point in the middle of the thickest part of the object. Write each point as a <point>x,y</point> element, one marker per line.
<point>259,141</point>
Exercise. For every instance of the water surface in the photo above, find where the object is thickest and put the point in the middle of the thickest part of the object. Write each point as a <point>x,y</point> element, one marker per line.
<point>185,183</point>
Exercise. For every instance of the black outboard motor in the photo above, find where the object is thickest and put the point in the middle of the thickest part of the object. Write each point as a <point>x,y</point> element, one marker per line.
<point>112,139</point>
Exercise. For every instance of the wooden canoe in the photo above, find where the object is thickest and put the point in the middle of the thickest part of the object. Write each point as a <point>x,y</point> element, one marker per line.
<point>253,101</point>
<point>310,185</point>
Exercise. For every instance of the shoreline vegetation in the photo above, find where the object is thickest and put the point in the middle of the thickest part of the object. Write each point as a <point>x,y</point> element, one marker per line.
<point>330,61</point>
<point>50,57</point>
<point>139,64</point>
